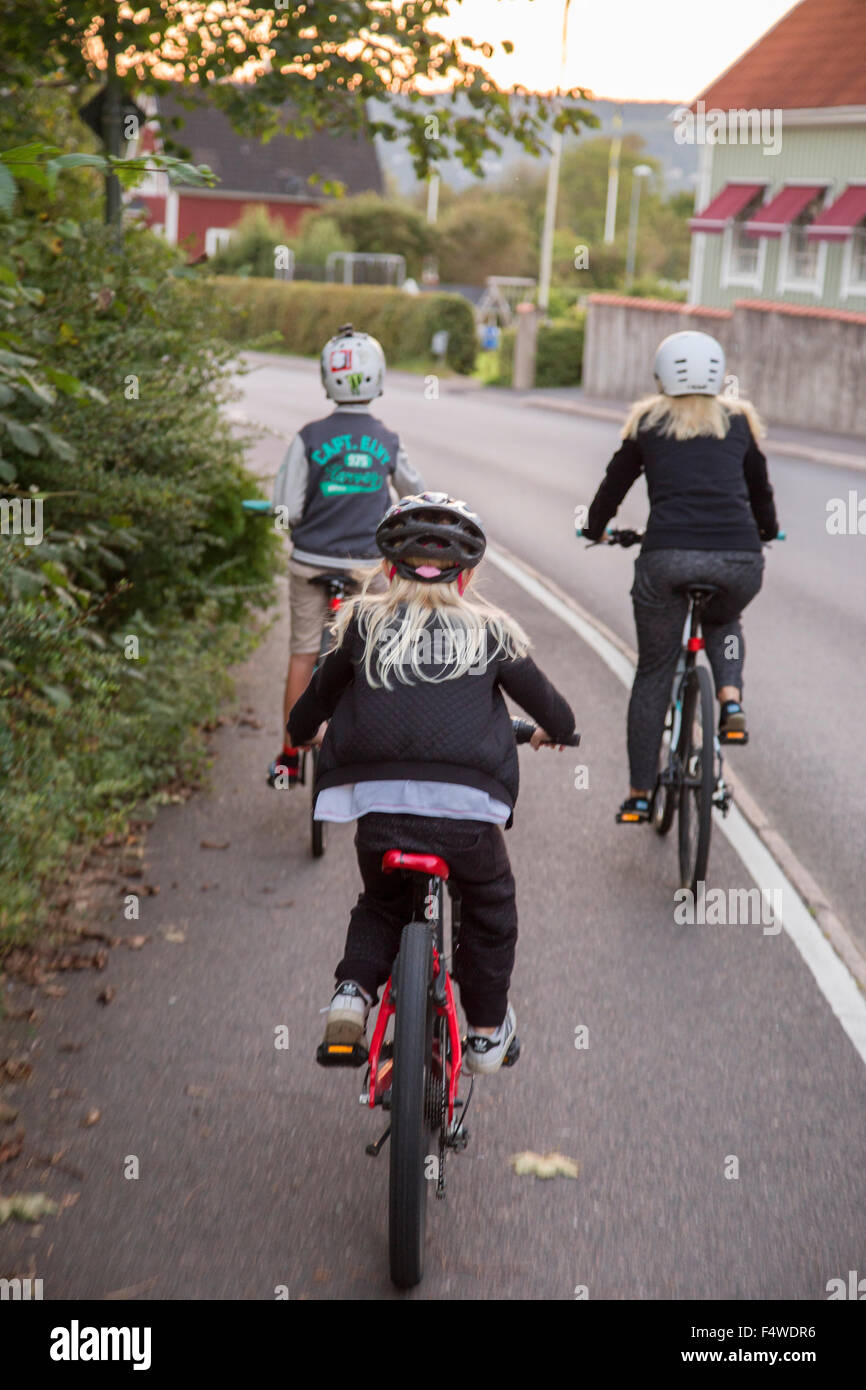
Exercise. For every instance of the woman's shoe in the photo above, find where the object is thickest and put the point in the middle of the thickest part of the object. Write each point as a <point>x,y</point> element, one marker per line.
<point>732,723</point>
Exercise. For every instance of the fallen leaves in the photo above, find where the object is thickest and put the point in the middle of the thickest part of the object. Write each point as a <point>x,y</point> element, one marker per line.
<point>14,1069</point>
<point>213,844</point>
<point>8,1114</point>
<point>10,1148</point>
<point>174,934</point>
<point>106,995</point>
<point>91,1118</point>
<point>26,1206</point>
<point>134,943</point>
<point>550,1165</point>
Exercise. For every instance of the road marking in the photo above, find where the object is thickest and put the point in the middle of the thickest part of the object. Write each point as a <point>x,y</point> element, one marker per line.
<point>835,980</point>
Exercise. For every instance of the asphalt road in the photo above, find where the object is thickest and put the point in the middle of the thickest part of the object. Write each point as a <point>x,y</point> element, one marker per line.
<point>705,1044</point>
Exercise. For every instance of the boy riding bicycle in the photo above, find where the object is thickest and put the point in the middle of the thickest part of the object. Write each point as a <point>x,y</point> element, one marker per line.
<point>420,750</point>
<point>334,484</point>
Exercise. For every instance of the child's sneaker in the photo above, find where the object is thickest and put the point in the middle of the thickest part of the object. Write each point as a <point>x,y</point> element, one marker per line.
<point>483,1054</point>
<point>344,1043</point>
<point>287,766</point>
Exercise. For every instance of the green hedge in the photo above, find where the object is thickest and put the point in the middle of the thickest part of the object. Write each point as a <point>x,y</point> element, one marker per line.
<point>559,355</point>
<point>306,314</point>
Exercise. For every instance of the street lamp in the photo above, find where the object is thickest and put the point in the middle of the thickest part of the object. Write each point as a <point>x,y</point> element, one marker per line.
<point>639,173</point>
<point>546,266</point>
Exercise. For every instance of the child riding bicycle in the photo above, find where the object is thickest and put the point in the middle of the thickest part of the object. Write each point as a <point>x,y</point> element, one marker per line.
<point>334,484</point>
<point>711,508</point>
<point>419,748</point>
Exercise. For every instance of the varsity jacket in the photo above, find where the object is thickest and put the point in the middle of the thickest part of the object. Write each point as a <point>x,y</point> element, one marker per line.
<point>334,483</point>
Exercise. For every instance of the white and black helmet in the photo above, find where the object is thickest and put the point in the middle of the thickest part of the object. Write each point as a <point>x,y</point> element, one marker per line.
<point>353,366</point>
<point>434,524</point>
<point>689,364</point>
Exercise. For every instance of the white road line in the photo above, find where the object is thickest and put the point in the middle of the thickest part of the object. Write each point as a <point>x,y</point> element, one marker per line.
<point>834,979</point>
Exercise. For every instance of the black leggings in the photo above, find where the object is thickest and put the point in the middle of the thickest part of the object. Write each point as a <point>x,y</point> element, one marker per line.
<point>660,614</point>
<point>476,855</point>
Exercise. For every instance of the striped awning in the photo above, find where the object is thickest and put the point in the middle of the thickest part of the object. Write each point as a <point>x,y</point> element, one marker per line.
<point>838,221</point>
<point>724,207</point>
<point>772,219</point>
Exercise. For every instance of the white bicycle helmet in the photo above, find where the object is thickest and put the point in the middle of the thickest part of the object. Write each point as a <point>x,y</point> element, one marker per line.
<point>689,364</point>
<point>353,366</point>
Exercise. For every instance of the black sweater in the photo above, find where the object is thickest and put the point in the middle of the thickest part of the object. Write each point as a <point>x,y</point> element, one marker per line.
<point>705,493</point>
<point>457,730</point>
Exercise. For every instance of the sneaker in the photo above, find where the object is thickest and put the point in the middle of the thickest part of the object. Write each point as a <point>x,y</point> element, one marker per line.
<point>287,766</point>
<point>482,1054</point>
<point>344,1042</point>
<point>732,723</point>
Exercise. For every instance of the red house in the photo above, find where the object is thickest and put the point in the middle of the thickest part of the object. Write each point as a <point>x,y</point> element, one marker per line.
<point>276,175</point>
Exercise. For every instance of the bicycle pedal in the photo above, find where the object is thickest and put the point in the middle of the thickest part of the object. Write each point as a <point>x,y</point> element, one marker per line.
<point>734,736</point>
<point>341,1054</point>
<point>513,1052</point>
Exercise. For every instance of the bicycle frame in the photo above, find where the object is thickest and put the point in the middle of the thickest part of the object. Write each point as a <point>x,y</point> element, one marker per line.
<point>427,906</point>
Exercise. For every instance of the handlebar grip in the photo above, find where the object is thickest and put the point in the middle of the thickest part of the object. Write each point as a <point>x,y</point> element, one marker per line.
<point>254,504</point>
<point>524,729</point>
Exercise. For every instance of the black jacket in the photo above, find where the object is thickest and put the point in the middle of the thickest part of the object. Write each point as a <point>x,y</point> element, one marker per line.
<point>456,730</point>
<point>705,493</point>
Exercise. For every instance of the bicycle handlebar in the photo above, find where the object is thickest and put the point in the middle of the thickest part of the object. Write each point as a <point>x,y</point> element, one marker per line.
<point>625,537</point>
<point>524,729</point>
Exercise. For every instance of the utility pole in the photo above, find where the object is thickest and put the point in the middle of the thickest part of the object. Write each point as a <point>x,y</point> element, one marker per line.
<point>552,188</point>
<point>639,173</point>
<point>112,115</point>
<point>613,179</point>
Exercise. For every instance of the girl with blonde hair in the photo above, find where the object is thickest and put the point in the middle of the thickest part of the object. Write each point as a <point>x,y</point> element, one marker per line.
<point>419,749</point>
<point>711,508</point>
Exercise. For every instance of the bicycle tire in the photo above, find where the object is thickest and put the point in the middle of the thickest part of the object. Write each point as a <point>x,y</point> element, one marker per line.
<point>697,760</point>
<point>410,1127</point>
<point>665,803</point>
<point>317,827</point>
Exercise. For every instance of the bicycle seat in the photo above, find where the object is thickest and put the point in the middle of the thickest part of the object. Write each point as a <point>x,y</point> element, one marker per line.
<point>332,576</point>
<point>701,593</point>
<point>431,864</point>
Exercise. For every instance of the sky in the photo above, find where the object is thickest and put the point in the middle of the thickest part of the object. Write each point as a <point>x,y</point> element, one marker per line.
<point>639,50</point>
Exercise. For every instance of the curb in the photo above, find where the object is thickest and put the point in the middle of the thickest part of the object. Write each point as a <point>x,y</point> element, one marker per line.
<point>604,412</point>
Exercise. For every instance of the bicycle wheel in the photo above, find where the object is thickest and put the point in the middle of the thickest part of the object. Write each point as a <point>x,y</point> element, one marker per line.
<point>665,803</point>
<point>410,1123</point>
<point>317,827</point>
<point>697,764</point>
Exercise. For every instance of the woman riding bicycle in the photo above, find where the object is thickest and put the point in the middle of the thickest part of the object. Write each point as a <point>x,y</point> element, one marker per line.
<point>420,750</point>
<point>711,507</point>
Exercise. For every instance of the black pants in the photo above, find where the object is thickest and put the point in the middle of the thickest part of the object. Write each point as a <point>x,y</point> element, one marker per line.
<point>660,611</point>
<point>476,855</point>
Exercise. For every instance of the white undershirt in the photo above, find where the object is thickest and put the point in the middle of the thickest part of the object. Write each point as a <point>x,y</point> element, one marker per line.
<point>444,800</point>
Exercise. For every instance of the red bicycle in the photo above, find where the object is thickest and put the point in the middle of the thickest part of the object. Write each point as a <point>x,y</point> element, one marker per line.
<point>415,1073</point>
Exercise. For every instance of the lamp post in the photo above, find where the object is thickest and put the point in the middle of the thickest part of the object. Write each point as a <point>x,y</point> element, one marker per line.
<point>546,266</point>
<point>639,173</point>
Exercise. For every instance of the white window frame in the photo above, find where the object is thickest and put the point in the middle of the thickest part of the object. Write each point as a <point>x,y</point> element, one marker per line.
<point>788,282</point>
<point>849,287</point>
<point>215,238</point>
<point>730,277</point>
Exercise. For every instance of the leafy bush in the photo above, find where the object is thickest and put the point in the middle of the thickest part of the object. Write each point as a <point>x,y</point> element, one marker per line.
<point>370,223</point>
<point>559,354</point>
<point>306,314</point>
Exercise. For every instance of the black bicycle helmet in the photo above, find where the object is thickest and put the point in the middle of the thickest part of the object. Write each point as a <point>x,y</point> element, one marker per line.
<point>433,523</point>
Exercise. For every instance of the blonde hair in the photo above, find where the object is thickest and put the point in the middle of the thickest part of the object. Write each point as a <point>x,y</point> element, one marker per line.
<point>396,629</point>
<point>688,417</point>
